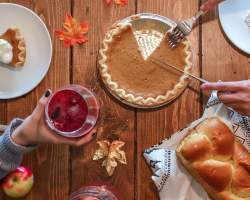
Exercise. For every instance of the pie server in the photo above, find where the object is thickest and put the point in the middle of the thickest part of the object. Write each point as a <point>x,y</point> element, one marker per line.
<point>165,64</point>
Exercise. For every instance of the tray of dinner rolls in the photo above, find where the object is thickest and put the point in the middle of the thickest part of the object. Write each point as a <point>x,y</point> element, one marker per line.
<point>207,160</point>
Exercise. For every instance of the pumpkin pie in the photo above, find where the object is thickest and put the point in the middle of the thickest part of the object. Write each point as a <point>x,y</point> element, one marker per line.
<point>137,80</point>
<point>14,39</point>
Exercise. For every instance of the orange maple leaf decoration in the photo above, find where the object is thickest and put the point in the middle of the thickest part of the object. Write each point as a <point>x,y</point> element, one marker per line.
<point>118,2</point>
<point>74,32</point>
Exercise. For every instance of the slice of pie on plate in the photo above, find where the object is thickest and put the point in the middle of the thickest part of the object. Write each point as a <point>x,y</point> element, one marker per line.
<point>136,80</point>
<point>12,48</point>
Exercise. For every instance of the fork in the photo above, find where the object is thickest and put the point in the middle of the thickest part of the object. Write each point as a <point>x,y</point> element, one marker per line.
<point>183,29</point>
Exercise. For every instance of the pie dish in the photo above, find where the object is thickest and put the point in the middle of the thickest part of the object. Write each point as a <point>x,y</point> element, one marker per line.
<point>14,38</point>
<point>140,81</point>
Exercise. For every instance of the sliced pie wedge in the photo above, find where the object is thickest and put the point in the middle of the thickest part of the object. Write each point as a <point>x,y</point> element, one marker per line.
<point>14,37</point>
<point>138,81</point>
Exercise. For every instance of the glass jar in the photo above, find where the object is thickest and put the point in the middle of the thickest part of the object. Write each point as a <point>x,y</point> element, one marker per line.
<point>95,192</point>
<point>72,111</point>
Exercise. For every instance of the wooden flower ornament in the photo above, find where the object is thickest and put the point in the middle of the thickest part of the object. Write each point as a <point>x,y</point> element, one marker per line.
<point>112,154</point>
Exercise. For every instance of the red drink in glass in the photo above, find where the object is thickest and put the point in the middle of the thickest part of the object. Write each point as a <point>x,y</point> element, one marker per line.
<point>72,111</point>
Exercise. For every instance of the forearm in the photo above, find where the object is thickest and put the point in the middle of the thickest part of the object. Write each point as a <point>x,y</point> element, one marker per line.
<point>11,154</point>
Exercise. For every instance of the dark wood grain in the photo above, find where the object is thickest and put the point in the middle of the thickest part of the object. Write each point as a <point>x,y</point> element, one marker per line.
<point>115,119</point>
<point>3,112</point>
<point>49,163</point>
<point>156,125</point>
<point>60,170</point>
<point>221,60</point>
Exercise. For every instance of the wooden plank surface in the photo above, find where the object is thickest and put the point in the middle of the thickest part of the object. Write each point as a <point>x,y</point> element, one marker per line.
<point>60,170</point>
<point>3,113</point>
<point>115,119</point>
<point>49,163</point>
<point>156,125</point>
<point>221,60</point>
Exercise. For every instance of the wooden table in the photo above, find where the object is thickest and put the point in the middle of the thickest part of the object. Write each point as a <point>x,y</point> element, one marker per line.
<point>60,169</point>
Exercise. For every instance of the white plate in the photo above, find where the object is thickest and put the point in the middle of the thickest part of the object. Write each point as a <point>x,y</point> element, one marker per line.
<point>15,82</point>
<point>232,15</point>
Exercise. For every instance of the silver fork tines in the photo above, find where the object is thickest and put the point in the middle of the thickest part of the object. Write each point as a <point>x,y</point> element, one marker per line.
<point>182,29</point>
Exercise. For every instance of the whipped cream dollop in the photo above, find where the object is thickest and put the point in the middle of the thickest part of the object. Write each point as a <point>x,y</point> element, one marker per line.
<point>247,20</point>
<point>6,52</point>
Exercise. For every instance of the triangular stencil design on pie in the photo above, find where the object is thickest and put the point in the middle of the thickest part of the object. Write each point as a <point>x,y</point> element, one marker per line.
<point>148,41</point>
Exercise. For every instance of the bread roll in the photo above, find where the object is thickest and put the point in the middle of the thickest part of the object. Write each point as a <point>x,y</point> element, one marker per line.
<point>217,160</point>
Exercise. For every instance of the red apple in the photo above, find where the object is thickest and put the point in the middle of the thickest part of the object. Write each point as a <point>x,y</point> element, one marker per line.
<point>18,183</point>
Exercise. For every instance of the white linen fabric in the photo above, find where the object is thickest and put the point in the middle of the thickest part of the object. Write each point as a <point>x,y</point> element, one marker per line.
<point>171,179</point>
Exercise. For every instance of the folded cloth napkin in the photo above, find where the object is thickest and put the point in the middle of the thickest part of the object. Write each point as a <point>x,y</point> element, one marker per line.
<point>171,179</point>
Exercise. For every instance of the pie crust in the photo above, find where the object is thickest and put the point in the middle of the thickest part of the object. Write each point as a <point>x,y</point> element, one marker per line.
<point>14,37</point>
<point>146,98</point>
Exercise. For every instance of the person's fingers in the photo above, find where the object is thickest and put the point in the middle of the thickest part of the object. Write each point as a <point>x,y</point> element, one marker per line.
<point>228,98</point>
<point>77,141</point>
<point>205,7</point>
<point>239,108</point>
<point>85,139</point>
<point>93,131</point>
<point>207,92</point>
<point>39,110</point>
<point>209,4</point>
<point>221,86</point>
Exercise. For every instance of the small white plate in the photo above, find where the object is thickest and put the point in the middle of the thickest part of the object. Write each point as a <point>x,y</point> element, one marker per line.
<point>15,82</point>
<point>232,14</point>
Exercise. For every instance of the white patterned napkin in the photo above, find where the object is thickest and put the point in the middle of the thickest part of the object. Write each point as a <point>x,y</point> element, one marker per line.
<point>171,179</point>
